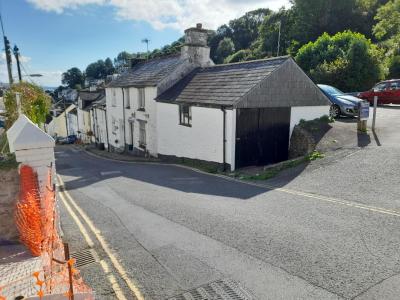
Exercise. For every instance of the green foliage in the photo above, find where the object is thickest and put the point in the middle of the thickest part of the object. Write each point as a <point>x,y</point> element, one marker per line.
<point>267,42</point>
<point>225,48</point>
<point>394,67</point>
<point>388,21</point>
<point>8,162</point>
<point>73,78</point>
<point>35,103</point>
<point>346,60</point>
<point>100,69</point>
<point>241,55</point>
<point>272,171</point>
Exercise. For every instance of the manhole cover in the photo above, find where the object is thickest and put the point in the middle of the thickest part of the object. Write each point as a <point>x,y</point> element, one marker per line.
<point>84,257</point>
<point>224,289</point>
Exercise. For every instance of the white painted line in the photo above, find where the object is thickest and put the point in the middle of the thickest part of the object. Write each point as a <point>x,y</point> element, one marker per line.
<point>107,173</point>
<point>133,286</point>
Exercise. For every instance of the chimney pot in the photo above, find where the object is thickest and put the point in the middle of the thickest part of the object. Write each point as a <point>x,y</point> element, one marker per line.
<point>199,25</point>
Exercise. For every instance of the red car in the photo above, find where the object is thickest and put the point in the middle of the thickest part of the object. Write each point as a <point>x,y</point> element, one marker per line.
<point>388,92</point>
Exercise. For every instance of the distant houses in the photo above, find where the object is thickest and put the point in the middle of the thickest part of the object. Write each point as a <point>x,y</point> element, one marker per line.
<point>185,107</point>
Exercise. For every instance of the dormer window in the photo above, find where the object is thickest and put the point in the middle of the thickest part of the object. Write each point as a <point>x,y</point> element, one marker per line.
<point>185,115</point>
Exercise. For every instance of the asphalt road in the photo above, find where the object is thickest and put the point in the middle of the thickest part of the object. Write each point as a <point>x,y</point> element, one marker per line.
<point>331,231</point>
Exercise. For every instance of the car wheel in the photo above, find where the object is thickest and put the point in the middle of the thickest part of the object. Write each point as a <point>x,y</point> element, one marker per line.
<point>334,111</point>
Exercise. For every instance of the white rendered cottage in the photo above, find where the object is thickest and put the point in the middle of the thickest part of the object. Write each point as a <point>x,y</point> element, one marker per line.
<point>237,115</point>
<point>131,106</point>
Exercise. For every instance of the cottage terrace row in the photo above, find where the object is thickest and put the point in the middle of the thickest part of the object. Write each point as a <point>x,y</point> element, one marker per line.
<point>184,106</point>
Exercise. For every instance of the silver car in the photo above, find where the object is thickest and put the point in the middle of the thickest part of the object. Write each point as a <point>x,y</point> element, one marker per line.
<point>341,104</point>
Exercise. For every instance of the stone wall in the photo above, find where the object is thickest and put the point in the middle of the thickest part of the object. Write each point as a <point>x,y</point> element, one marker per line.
<point>301,143</point>
<point>9,189</point>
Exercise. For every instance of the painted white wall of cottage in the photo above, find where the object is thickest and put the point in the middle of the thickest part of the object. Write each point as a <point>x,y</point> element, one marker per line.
<point>307,113</point>
<point>84,125</point>
<point>132,114</point>
<point>201,141</point>
<point>98,117</point>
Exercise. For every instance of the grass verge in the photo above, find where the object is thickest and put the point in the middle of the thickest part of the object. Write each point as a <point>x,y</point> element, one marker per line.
<point>275,170</point>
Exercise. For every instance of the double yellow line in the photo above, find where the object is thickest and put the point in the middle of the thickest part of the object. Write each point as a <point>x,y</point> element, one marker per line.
<point>68,201</point>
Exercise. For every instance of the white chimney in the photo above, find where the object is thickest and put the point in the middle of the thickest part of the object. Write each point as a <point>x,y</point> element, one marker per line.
<point>195,48</point>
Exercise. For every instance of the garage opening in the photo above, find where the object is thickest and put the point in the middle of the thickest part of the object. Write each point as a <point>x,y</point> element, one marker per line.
<point>262,136</point>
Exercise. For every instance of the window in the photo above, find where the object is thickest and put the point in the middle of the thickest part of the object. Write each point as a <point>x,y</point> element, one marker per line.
<point>395,85</point>
<point>127,98</point>
<point>141,99</point>
<point>142,134</point>
<point>185,115</point>
<point>380,87</point>
<point>114,98</point>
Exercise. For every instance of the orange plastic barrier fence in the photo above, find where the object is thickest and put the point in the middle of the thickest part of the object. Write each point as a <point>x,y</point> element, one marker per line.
<point>36,219</point>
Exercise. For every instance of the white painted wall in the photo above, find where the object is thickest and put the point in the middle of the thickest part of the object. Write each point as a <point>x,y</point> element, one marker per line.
<point>132,115</point>
<point>307,113</point>
<point>204,140</point>
<point>84,125</point>
<point>98,117</point>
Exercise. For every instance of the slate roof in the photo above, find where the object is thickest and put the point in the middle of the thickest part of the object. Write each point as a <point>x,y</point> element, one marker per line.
<point>148,73</point>
<point>221,85</point>
<point>88,97</point>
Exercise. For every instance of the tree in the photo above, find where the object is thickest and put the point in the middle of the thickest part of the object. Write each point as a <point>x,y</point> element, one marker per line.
<point>96,70</point>
<point>241,55</point>
<point>109,67</point>
<point>35,103</point>
<point>267,42</point>
<point>346,60</point>
<point>121,62</point>
<point>387,27</point>
<point>245,28</point>
<point>73,78</point>
<point>394,67</point>
<point>225,48</point>
<point>314,17</point>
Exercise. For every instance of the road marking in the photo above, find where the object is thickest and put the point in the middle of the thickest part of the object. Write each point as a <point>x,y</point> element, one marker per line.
<point>271,188</point>
<point>110,173</point>
<point>114,284</point>
<point>132,286</point>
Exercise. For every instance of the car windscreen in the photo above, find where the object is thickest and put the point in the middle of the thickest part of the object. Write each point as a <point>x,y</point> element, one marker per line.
<point>331,90</point>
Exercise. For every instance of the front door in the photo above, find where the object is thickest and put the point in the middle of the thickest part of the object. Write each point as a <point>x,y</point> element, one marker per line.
<point>262,136</point>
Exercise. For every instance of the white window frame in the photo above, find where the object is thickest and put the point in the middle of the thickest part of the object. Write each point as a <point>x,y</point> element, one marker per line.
<point>141,99</point>
<point>185,118</point>
<point>142,134</point>
<point>113,97</point>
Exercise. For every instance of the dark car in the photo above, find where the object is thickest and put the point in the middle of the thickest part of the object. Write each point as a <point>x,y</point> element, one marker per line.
<point>388,92</point>
<point>71,139</point>
<point>341,103</point>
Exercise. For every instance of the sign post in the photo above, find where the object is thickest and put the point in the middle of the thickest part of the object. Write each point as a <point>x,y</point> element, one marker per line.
<point>363,116</point>
<point>374,116</point>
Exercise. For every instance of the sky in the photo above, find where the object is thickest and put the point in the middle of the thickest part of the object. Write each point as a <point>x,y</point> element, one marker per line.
<point>55,35</point>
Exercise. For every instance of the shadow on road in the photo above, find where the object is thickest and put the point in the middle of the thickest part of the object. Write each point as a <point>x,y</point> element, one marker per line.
<point>85,170</point>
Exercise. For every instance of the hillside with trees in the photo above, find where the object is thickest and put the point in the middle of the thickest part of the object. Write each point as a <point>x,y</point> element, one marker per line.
<point>348,43</point>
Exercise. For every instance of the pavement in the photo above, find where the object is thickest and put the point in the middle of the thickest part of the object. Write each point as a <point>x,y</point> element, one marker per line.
<point>326,230</point>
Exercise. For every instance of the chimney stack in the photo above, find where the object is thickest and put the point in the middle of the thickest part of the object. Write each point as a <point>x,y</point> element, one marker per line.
<point>195,48</point>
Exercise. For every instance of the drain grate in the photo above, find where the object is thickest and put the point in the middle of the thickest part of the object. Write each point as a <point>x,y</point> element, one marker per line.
<point>224,289</point>
<point>85,257</point>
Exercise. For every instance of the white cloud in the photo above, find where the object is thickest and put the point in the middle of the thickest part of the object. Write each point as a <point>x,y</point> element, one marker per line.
<point>177,14</point>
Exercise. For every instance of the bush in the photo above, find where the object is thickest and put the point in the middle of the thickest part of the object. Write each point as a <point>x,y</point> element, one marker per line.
<point>394,67</point>
<point>346,60</point>
<point>241,55</point>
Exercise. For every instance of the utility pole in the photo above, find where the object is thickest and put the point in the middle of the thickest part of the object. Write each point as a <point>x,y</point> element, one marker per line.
<point>147,41</point>
<point>16,54</point>
<point>7,50</point>
<point>279,37</point>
